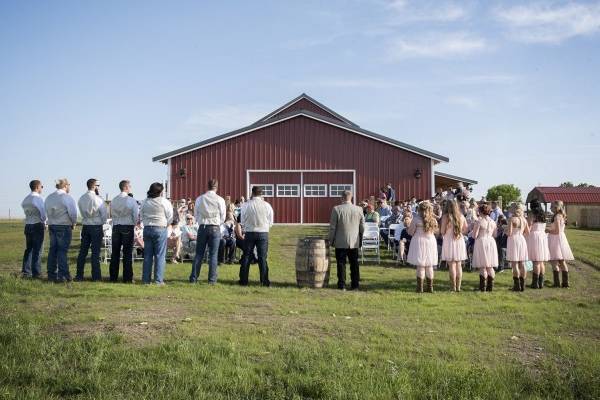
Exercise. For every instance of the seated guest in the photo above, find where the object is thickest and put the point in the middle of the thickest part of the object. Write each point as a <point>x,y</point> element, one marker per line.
<point>239,236</point>
<point>174,241</point>
<point>394,218</point>
<point>138,238</point>
<point>402,238</point>
<point>382,194</point>
<point>501,239</point>
<point>227,244</point>
<point>189,234</point>
<point>371,215</point>
<point>383,209</point>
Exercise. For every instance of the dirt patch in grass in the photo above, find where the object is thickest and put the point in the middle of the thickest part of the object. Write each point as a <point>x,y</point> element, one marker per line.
<point>528,352</point>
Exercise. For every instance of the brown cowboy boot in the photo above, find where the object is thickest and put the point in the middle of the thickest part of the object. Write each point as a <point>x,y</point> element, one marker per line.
<point>521,284</point>
<point>534,281</point>
<point>516,286</point>
<point>541,281</point>
<point>429,287</point>
<point>565,279</point>
<point>419,285</point>
<point>556,276</point>
<point>481,283</point>
<point>490,283</point>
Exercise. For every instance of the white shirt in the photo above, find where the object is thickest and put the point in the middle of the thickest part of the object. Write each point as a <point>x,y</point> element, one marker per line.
<point>92,209</point>
<point>33,206</point>
<point>156,211</point>
<point>257,215</point>
<point>124,210</point>
<point>210,209</point>
<point>61,208</point>
<point>173,232</point>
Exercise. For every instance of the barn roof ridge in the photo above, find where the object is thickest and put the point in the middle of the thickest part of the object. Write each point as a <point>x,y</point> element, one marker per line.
<point>294,114</point>
<point>580,195</point>
<point>455,177</point>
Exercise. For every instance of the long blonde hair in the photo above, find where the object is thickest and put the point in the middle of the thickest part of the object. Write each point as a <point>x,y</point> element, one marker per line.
<point>430,224</point>
<point>559,208</point>
<point>517,211</point>
<point>453,214</point>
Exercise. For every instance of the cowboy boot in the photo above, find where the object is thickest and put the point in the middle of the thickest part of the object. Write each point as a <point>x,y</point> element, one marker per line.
<point>490,283</point>
<point>481,283</point>
<point>429,282</point>
<point>516,286</point>
<point>534,281</point>
<point>565,279</point>
<point>419,285</point>
<point>541,281</point>
<point>556,276</point>
<point>521,284</point>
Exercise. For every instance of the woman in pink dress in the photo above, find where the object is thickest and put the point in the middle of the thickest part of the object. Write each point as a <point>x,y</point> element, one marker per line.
<point>454,249</point>
<point>485,250</point>
<point>423,246</point>
<point>560,251</point>
<point>537,244</point>
<point>516,246</point>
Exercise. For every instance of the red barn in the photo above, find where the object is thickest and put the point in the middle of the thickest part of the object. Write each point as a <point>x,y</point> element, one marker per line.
<point>304,155</point>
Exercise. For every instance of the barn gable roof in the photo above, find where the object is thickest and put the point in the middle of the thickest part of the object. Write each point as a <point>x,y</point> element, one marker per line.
<point>298,113</point>
<point>326,110</point>
<point>574,195</point>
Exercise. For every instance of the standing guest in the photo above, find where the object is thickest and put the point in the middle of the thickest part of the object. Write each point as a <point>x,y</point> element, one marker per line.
<point>496,211</point>
<point>257,219</point>
<point>156,214</point>
<point>382,194</point>
<point>124,211</point>
<point>423,246</point>
<point>371,215</point>
<point>454,250</point>
<point>174,241</point>
<point>227,244</point>
<point>189,235</point>
<point>210,214</point>
<point>35,224</point>
<point>182,211</point>
<point>437,211</point>
<point>537,244</point>
<point>412,205</point>
<point>485,252</point>
<point>501,239</point>
<point>560,251</point>
<point>61,212</point>
<point>93,217</point>
<point>346,227</point>
<point>138,237</point>
<point>516,246</point>
<point>390,194</point>
<point>175,205</point>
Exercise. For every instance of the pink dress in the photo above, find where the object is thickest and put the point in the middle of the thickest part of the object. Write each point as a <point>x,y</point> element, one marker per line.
<point>537,242</point>
<point>453,249</point>
<point>485,251</point>
<point>516,246</point>
<point>558,244</point>
<point>423,247</point>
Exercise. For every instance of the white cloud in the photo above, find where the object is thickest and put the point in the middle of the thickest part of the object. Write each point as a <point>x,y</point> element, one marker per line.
<point>421,11</point>
<point>436,45</point>
<point>463,101</point>
<point>550,22</point>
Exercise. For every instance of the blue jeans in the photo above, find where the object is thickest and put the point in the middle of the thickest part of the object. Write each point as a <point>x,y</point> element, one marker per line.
<point>34,239</point>
<point>155,251</point>
<point>208,235</point>
<point>91,236</point>
<point>260,240</point>
<point>60,240</point>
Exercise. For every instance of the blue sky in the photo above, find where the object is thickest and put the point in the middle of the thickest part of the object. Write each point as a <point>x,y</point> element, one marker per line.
<point>510,91</point>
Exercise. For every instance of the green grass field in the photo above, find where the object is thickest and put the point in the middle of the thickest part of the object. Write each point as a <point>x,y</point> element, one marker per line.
<point>114,341</point>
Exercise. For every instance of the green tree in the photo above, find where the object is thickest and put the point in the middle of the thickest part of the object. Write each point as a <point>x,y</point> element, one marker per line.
<point>567,184</point>
<point>509,193</point>
<point>583,184</point>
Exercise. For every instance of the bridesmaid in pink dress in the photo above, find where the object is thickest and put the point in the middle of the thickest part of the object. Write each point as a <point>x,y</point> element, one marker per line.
<point>516,247</point>
<point>537,244</point>
<point>485,251</point>
<point>560,251</point>
<point>422,252</point>
<point>454,249</point>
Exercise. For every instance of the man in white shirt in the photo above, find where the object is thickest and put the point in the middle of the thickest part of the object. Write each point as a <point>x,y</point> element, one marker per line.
<point>257,219</point>
<point>210,214</point>
<point>496,211</point>
<point>35,223</point>
<point>93,216</point>
<point>61,212</point>
<point>124,211</point>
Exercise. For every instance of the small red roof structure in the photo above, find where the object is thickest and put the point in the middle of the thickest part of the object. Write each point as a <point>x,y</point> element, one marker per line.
<point>569,195</point>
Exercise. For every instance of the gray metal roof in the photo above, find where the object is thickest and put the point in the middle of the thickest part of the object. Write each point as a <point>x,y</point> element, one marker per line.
<point>456,178</point>
<point>297,113</point>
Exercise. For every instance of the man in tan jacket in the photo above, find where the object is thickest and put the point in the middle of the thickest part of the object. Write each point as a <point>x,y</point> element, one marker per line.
<point>345,232</point>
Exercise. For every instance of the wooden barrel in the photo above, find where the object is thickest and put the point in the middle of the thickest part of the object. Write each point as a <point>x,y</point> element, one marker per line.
<point>312,262</point>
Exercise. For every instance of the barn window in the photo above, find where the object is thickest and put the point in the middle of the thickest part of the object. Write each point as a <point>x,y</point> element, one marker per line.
<point>336,190</point>
<point>315,190</point>
<point>288,190</point>
<point>267,189</point>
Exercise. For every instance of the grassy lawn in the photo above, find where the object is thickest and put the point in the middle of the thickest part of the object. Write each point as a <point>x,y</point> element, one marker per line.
<point>114,341</point>
<point>585,245</point>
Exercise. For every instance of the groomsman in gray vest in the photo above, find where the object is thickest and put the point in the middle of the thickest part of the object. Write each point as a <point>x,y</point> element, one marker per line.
<point>93,216</point>
<point>124,211</point>
<point>346,228</point>
<point>35,223</point>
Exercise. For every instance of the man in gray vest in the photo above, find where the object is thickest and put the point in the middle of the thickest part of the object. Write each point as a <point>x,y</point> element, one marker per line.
<point>124,211</point>
<point>35,223</point>
<point>346,228</point>
<point>93,216</point>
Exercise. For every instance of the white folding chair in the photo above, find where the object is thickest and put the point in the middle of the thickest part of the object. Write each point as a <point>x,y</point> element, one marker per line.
<point>391,230</point>
<point>370,242</point>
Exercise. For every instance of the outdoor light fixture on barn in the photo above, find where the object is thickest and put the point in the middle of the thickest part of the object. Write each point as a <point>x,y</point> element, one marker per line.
<point>304,155</point>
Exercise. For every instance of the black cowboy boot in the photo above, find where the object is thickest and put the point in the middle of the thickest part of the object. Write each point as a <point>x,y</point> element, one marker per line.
<point>522,284</point>
<point>516,286</point>
<point>556,276</point>
<point>534,281</point>
<point>429,287</point>
<point>490,283</point>
<point>419,285</point>
<point>565,279</point>
<point>481,283</point>
<point>541,281</point>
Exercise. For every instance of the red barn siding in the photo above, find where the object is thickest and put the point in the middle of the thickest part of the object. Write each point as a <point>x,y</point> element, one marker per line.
<point>301,143</point>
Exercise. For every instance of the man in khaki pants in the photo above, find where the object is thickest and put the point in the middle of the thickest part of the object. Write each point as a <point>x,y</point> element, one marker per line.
<point>345,232</point>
